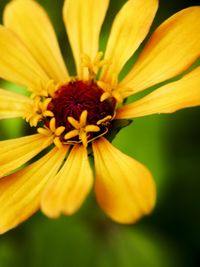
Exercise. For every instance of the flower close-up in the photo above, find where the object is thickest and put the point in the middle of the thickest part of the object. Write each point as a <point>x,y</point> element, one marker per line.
<point>73,117</point>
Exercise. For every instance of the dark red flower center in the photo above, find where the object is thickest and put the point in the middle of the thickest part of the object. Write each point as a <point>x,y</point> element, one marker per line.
<point>72,99</point>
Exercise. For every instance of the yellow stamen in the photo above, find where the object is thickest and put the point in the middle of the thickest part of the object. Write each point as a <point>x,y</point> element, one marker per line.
<point>71,134</point>
<point>48,113</point>
<point>74,122</point>
<point>52,125</point>
<point>38,111</point>
<point>83,137</point>
<point>106,119</point>
<point>35,119</point>
<point>59,130</point>
<point>39,90</point>
<point>112,90</point>
<point>43,105</point>
<point>44,131</point>
<point>53,132</point>
<point>94,65</point>
<point>105,96</point>
<point>47,90</point>
<point>51,87</point>
<point>91,128</point>
<point>57,142</point>
<point>83,118</point>
<point>81,128</point>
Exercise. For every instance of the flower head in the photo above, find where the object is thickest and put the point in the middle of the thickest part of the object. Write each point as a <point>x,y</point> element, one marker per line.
<point>71,114</point>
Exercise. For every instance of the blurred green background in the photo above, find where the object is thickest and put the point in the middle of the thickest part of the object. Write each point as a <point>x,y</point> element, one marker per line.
<point>168,144</point>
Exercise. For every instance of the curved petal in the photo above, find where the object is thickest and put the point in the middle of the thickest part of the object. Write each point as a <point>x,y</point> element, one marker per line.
<point>83,21</point>
<point>15,152</point>
<point>173,47</point>
<point>20,192</point>
<point>67,191</point>
<point>31,23</point>
<point>17,64</point>
<point>129,29</point>
<point>167,99</point>
<point>124,188</point>
<point>13,105</point>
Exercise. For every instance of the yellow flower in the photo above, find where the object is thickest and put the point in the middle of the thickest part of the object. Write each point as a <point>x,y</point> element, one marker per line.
<point>71,114</point>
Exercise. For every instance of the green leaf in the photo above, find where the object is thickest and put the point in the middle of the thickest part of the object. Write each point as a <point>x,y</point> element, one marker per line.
<point>116,126</point>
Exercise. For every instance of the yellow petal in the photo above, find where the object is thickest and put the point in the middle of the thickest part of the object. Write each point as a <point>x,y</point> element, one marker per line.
<point>83,21</point>
<point>173,47</point>
<point>129,29</point>
<point>13,105</point>
<point>124,188</point>
<point>17,64</point>
<point>15,152</point>
<point>20,192</point>
<point>169,98</point>
<point>32,24</point>
<point>67,191</point>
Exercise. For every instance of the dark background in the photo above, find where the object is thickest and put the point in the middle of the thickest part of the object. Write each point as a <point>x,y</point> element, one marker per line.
<point>168,144</point>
